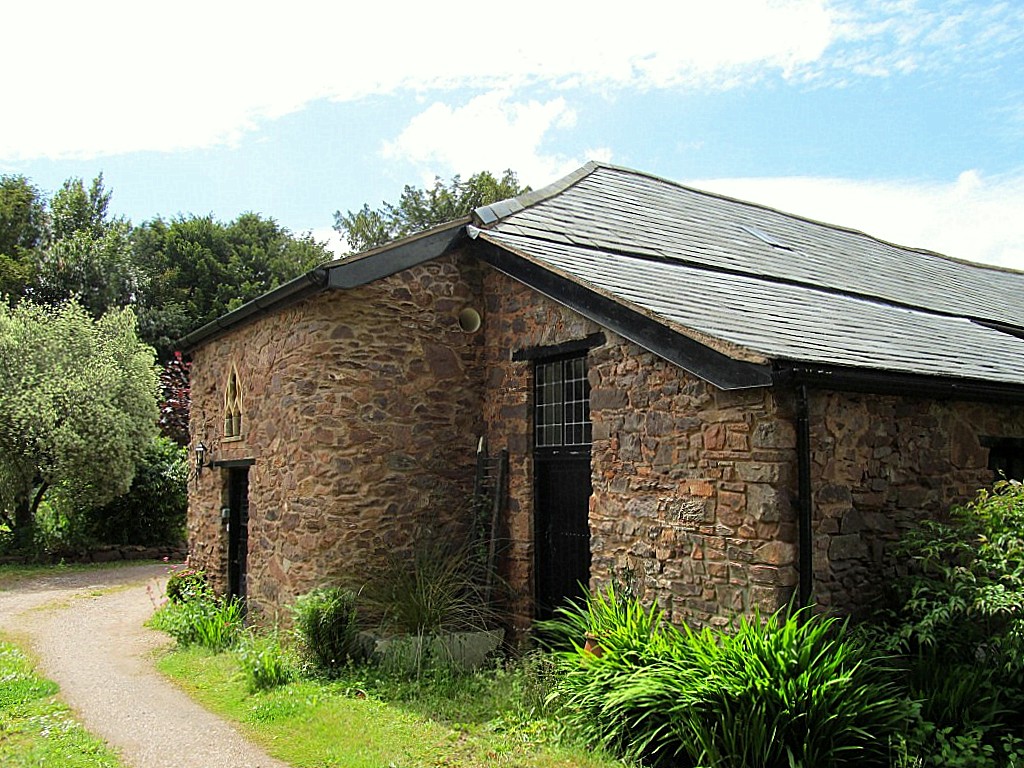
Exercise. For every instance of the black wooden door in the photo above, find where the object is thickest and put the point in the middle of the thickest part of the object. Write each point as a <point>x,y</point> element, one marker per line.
<point>562,484</point>
<point>238,530</point>
<point>563,529</point>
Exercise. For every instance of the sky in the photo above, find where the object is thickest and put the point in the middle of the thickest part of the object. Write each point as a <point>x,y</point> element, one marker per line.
<point>901,118</point>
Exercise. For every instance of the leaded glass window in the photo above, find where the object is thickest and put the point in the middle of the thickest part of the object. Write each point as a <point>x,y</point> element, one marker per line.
<point>562,403</point>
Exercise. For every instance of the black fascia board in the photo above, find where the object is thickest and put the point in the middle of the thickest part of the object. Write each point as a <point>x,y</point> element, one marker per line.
<point>294,290</point>
<point>877,382</point>
<point>357,271</point>
<point>690,355</point>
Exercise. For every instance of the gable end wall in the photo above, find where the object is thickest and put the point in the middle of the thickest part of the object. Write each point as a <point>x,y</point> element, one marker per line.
<point>361,414</point>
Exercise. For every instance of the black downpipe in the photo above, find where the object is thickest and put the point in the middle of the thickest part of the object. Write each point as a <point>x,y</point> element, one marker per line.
<point>805,515</point>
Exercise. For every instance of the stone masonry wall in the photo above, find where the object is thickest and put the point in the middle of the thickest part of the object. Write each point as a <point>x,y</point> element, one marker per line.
<point>361,411</point>
<point>691,486</point>
<point>880,464</point>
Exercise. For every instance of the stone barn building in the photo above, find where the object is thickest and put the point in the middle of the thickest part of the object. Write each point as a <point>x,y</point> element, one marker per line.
<point>722,403</point>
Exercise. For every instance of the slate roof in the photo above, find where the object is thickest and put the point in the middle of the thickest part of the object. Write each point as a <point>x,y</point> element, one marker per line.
<point>764,286</point>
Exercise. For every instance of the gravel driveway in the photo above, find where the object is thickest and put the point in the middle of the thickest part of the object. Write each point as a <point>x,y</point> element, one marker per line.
<point>91,641</point>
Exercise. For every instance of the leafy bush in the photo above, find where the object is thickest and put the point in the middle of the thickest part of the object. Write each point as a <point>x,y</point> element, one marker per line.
<point>264,662</point>
<point>186,584</point>
<point>325,621</point>
<point>957,619</point>
<point>204,620</point>
<point>965,595</point>
<point>791,691</point>
<point>153,511</point>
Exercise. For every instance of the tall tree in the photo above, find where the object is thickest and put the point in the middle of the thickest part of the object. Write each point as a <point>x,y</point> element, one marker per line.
<point>77,407</point>
<point>24,227</point>
<point>418,209</point>
<point>89,257</point>
<point>200,268</point>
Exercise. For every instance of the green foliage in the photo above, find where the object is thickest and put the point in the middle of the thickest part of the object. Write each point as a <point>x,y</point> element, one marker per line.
<point>203,619</point>
<point>77,407</point>
<point>264,662</point>
<point>152,512</point>
<point>805,693</point>
<point>23,231</point>
<point>195,615</point>
<point>186,584</point>
<point>965,593</point>
<point>435,589</point>
<point>200,268</point>
<point>89,254</point>
<point>35,728</point>
<point>327,626</point>
<point>419,209</point>
<point>957,619</point>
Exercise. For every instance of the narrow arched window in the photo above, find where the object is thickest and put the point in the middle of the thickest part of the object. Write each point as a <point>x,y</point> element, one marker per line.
<point>233,406</point>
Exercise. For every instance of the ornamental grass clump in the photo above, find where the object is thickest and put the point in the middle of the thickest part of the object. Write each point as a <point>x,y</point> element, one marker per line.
<point>785,691</point>
<point>437,588</point>
<point>328,629</point>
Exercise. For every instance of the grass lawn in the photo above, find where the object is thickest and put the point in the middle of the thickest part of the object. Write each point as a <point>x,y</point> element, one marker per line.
<point>35,728</point>
<point>360,721</point>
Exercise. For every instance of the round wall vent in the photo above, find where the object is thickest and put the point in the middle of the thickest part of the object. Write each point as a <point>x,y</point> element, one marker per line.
<point>469,320</point>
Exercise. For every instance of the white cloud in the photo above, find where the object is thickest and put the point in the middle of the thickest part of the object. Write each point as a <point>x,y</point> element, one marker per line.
<point>972,217</point>
<point>490,132</point>
<point>335,242</point>
<point>87,79</point>
<point>882,38</point>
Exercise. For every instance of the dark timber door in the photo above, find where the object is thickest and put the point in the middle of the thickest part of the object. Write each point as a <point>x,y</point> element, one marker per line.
<point>238,530</point>
<point>562,436</point>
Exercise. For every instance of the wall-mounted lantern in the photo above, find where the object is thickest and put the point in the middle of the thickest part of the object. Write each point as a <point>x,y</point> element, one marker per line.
<point>202,457</point>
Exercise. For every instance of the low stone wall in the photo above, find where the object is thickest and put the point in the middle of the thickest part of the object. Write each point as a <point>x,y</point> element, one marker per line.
<point>104,554</point>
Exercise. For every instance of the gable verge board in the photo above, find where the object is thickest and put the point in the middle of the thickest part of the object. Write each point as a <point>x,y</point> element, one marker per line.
<point>391,259</point>
<point>692,356</point>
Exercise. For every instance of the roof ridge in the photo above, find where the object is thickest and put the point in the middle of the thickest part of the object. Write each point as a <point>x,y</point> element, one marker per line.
<point>489,214</point>
<point>809,220</point>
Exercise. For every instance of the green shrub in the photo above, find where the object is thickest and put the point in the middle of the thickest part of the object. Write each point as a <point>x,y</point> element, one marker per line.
<point>152,513</point>
<point>965,593</point>
<point>957,620</point>
<point>791,691</point>
<point>204,620</point>
<point>186,584</point>
<point>326,624</point>
<point>264,662</point>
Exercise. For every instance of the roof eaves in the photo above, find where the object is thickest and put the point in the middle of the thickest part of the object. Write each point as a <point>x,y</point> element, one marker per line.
<point>882,382</point>
<point>394,257</point>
